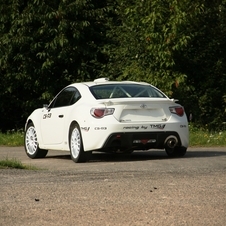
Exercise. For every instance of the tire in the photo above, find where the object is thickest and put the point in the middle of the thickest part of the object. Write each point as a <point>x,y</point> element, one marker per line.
<point>76,145</point>
<point>176,152</point>
<point>31,143</point>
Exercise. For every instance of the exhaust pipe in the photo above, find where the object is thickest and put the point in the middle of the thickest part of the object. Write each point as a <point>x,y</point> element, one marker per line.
<point>171,142</point>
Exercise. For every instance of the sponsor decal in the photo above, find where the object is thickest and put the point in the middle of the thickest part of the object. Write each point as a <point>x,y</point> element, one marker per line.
<point>126,120</point>
<point>131,127</point>
<point>157,126</point>
<point>100,128</point>
<point>85,128</point>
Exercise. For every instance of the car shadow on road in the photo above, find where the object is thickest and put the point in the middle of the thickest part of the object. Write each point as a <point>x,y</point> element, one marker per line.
<point>142,155</point>
<point>204,154</point>
<point>152,155</point>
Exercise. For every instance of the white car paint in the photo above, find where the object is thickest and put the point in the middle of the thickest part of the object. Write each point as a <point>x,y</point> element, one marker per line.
<point>131,115</point>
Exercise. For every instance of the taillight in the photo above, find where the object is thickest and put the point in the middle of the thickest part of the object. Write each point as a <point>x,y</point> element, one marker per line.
<point>101,112</point>
<point>177,110</point>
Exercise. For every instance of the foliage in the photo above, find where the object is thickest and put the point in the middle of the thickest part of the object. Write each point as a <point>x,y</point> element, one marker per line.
<point>199,136</point>
<point>149,36</point>
<point>45,45</point>
<point>12,138</point>
<point>204,64</point>
<point>176,45</point>
<point>203,137</point>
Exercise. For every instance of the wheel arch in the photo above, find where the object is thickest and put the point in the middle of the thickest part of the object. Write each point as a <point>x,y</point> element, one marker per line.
<point>31,144</point>
<point>37,129</point>
<point>74,122</point>
<point>27,123</point>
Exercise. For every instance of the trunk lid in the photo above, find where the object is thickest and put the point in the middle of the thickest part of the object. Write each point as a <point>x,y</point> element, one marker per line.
<point>141,109</point>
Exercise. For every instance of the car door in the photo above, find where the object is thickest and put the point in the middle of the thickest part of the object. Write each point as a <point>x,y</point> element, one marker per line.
<point>55,115</point>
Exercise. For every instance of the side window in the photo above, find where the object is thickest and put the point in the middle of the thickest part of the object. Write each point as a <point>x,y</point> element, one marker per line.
<point>75,97</point>
<point>66,97</point>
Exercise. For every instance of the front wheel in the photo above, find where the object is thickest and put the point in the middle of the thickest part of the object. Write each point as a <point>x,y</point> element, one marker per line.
<point>176,152</point>
<point>76,145</point>
<point>31,143</point>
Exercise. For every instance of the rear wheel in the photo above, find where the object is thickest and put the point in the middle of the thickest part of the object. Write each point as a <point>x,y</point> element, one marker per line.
<point>176,152</point>
<point>76,145</point>
<point>31,143</point>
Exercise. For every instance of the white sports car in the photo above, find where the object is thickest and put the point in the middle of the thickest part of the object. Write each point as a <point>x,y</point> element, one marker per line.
<point>108,116</point>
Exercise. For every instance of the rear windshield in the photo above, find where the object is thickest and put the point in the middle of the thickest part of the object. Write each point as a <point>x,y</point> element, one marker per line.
<point>125,91</point>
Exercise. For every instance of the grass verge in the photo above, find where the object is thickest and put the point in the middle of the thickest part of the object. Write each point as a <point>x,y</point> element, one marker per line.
<point>197,137</point>
<point>15,164</point>
<point>202,137</point>
<point>12,138</point>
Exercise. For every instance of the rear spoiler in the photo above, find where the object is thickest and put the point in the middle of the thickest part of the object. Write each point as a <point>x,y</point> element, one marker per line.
<point>117,101</point>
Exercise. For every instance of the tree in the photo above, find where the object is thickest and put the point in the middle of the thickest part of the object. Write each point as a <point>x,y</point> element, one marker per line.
<point>204,63</point>
<point>177,46</point>
<point>45,46</point>
<point>149,35</point>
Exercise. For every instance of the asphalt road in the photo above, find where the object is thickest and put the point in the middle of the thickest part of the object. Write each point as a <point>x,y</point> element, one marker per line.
<point>145,188</point>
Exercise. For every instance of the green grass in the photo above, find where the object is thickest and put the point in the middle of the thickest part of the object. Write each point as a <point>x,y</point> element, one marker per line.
<point>15,164</point>
<point>204,138</point>
<point>12,138</point>
<point>198,137</point>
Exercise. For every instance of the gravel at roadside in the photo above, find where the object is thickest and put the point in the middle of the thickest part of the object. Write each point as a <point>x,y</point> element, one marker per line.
<point>125,191</point>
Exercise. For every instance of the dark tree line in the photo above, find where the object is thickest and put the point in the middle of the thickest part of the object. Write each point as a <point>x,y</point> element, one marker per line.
<point>176,45</point>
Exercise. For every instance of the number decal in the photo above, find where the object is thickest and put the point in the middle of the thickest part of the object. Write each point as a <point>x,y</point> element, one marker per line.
<point>45,116</point>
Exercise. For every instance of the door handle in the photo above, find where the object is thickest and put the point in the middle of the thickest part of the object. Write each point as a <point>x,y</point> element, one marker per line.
<point>60,116</point>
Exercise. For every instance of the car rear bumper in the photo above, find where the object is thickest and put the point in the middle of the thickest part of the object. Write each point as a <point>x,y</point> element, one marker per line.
<point>141,141</point>
<point>138,136</point>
